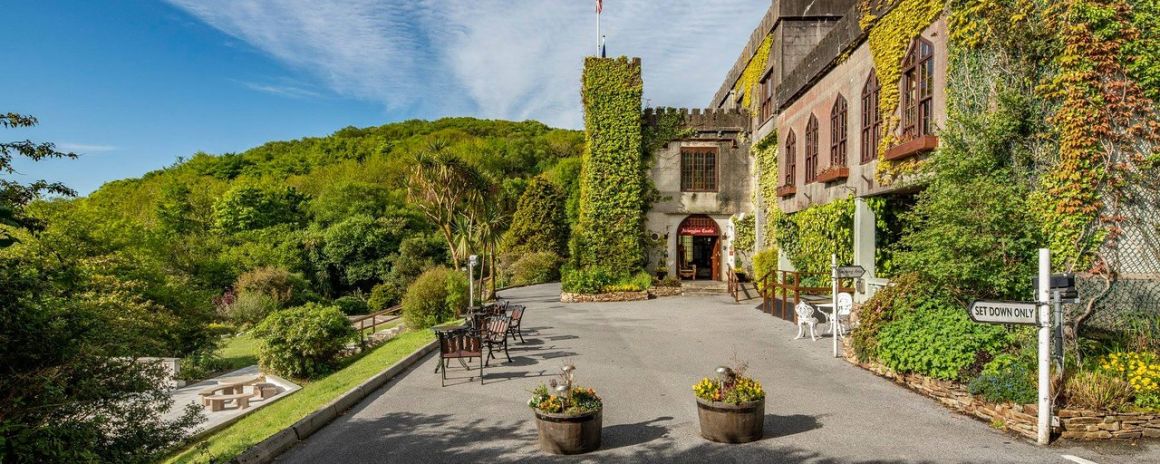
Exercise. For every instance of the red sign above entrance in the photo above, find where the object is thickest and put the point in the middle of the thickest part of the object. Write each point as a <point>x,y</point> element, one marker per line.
<point>698,230</point>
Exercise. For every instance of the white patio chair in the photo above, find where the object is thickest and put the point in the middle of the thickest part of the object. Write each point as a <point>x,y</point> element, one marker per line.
<point>805,317</point>
<point>845,307</point>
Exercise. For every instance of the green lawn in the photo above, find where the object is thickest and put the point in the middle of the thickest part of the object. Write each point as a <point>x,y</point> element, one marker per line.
<point>229,442</point>
<point>239,352</point>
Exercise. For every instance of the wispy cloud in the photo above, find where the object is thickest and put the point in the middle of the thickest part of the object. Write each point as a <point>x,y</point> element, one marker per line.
<point>291,91</point>
<point>512,59</point>
<point>82,148</point>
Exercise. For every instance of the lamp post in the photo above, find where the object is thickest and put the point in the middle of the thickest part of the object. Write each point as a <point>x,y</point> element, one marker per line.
<point>471,262</point>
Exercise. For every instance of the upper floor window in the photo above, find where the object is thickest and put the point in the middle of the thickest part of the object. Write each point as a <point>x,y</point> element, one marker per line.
<point>838,132</point>
<point>871,119</point>
<point>812,149</point>
<point>698,169</point>
<point>767,98</point>
<point>790,158</point>
<point>917,89</point>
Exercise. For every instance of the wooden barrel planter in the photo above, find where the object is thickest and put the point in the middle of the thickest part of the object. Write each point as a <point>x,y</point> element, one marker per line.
<point>563,434</point>
<point>729,423</point>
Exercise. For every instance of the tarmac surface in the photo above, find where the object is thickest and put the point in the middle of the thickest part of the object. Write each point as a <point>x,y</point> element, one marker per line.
<point>643,358</point>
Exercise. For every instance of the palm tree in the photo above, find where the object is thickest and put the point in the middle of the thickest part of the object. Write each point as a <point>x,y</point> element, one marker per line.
<point>492,225</point>
<point>444,186</point>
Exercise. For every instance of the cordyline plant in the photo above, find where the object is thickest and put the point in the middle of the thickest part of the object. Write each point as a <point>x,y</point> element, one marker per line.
<point>731,386</point>
<point>565,397</point>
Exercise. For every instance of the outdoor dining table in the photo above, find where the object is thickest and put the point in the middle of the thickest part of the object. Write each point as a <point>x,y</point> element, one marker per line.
<point>830,315</point>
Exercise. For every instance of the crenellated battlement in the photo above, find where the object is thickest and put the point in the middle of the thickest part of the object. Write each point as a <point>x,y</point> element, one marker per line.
<point>701,119</point>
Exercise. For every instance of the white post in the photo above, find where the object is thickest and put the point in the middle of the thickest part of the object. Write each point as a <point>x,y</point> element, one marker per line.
<point>597,33</point>
<point>471,282</point>
<point>1044,302</point>
<point>834,300</point>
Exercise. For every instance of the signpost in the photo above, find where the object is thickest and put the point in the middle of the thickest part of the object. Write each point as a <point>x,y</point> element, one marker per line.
<point>851,272</point>
<point>1036,313</point>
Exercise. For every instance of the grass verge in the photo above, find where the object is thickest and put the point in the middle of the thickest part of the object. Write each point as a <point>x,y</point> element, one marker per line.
<point>233,440</point>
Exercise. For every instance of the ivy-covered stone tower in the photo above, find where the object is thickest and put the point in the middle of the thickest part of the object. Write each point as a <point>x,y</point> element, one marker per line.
<point>611,189</point>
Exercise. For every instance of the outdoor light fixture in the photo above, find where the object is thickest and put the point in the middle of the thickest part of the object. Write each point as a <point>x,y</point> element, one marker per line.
<point>724,371</point>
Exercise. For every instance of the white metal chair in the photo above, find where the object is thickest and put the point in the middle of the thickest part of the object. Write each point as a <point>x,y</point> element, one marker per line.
<point>805,317</point>
<point>842,313</point>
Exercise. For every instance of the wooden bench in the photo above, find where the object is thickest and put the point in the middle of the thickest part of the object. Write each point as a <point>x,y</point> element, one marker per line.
<point>229,387</point>
<point>218,402</point>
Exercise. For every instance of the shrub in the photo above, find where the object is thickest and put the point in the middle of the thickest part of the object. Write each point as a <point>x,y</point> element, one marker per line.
<point>764,262</point>
<point>939,342</point>
<point>285,287</point>
<point>587,280</point>
<point>535,268</point>
<point>1140,369</point>
<point>351,305</point>
<point>668,281</point>
<point>1012,382</point>
<point>1097,390</point>
<point>248,308</point>
<point>383,296</point>
<point>906,293</point>
<point>436,296</point>
<point>304,341</point>
<point>539,223</point>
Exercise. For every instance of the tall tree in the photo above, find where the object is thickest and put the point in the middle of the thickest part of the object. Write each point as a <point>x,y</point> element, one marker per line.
<point>444,186</point>
<point>14,195</point>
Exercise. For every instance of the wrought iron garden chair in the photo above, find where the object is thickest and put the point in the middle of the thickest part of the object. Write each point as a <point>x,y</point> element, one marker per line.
<point>517,317</point>
<point>460,344</point>
<point>805,318</point>
<point>495,332</point>
<point>842,314</point>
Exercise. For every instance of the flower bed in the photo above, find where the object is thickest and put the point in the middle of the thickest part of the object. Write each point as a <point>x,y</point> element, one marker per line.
<point>1022,419</point>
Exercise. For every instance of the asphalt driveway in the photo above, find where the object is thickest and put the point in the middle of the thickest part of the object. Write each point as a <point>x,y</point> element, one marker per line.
<point>643,358</point>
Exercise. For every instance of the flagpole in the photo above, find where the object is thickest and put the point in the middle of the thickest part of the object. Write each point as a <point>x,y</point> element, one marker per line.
<point>598,30</point>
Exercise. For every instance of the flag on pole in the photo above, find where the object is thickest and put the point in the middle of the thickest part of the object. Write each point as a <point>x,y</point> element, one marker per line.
<point>599,6</point>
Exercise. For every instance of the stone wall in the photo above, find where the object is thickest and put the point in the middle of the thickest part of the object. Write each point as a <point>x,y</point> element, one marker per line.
<point>1022,418</point>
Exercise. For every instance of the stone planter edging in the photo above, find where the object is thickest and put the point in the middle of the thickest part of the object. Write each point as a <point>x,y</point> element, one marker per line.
<point>657,292</point>
<point>1022,418</point>
<point>566,297</point>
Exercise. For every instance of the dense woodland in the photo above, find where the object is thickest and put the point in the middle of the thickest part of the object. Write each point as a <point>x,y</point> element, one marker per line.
<point>168,264</point>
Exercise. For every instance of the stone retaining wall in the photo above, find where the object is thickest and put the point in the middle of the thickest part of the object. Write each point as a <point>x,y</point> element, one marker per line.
<point>566,297</point>
<point>664,291</point>
<point>1022,418</point>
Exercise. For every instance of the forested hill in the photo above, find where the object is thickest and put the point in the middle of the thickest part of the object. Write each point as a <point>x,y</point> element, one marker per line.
<point>323,219</point>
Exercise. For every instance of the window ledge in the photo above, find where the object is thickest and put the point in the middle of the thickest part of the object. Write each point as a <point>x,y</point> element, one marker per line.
<point>910,148</point>
<point>786,191</point>
<point>834,174</point>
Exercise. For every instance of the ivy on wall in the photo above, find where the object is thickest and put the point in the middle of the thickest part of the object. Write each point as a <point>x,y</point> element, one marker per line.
<point>747,84</point>
<point>668,126</point>
<point>808,237</point>
<point>744,236</point>
<point>765,153</point>
<point>609,233</point>
<point>1107,125</point>
<point>889,38</point>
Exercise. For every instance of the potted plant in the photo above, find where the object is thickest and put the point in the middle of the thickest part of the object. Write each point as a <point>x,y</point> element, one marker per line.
<point>568,417</point>
<point>731,407</point>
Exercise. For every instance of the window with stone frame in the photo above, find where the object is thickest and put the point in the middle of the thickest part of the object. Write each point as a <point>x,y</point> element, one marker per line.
<point>698,169</point>
<point>917,90</point>
<point>766,98</point>
<point>871,118</point>
<point>790,158</point>
<point>838,132</point>
<point>812,149</point>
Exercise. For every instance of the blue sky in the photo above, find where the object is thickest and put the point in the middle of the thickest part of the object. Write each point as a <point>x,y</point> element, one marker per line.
<point>133,85</point>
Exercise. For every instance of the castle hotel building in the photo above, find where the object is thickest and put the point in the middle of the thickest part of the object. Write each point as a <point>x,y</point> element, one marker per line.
<point>818,93</point>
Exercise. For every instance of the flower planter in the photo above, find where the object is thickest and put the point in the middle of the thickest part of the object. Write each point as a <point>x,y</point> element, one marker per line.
<point>729,423</point>
<point>786,191</point>
<point>563,434</point>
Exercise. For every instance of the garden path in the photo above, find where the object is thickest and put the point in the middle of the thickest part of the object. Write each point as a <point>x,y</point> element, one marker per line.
<point>643,358</point>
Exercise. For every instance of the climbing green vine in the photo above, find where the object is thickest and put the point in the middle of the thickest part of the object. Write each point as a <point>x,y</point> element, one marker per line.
<point>809,236</point>
<point>889,38</point>
<point>609,233</point>
<point>765,154</point>
<point>747,83</point>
